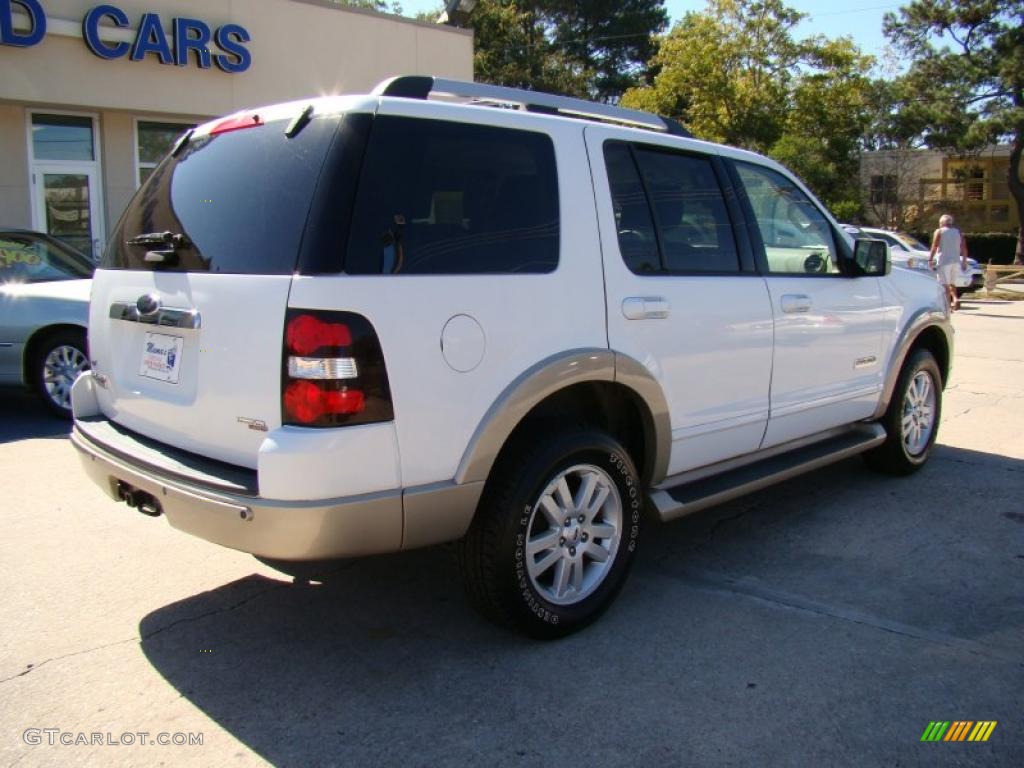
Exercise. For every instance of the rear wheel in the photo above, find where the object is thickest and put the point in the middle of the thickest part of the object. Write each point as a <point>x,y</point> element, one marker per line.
<point>555,533</point>
<point>912,419</point>
<point>57,362</point>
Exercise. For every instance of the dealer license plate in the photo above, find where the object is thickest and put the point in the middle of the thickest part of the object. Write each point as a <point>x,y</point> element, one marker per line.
<point>161,357</point>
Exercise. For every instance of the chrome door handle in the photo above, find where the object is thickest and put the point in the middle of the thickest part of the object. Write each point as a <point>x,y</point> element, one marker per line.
<point>645,308</point>
<point>795,302</point>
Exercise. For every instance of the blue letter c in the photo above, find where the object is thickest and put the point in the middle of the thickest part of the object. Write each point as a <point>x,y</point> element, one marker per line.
<point>91,31</point>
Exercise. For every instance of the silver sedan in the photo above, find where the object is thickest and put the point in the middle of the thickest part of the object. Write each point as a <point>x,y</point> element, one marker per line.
<point>44,309</point>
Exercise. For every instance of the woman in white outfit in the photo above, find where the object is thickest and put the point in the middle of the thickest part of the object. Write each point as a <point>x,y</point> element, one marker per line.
<point>952,251</point>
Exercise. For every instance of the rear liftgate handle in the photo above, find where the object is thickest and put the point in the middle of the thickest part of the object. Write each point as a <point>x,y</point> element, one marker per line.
<point>645,308</point>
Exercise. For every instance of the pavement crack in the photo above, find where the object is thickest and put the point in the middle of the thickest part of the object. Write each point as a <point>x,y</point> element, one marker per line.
<point>34,667</point>
<point>153,633</point>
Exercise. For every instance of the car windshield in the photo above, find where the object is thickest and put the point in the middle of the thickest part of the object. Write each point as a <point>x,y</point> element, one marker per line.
<point>28,258</point>
<point>910,242</point>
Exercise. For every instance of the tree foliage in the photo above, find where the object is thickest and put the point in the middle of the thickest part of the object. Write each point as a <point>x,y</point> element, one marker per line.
<point>736,73</point>
<point>592,49</point>
<point>967,76</point>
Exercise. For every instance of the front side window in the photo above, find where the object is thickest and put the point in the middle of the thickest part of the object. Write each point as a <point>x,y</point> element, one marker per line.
<point>676,195</point>
<point>796,236</point>
<point>443,198</point>
<point>155,140</point>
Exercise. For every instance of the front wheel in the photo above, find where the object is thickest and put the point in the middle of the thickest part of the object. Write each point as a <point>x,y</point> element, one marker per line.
<point>555,533</point>
<point>57,363</point>
<point>912,419</point>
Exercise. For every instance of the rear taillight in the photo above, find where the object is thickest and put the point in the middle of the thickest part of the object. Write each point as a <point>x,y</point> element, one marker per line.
<point>333,371</point>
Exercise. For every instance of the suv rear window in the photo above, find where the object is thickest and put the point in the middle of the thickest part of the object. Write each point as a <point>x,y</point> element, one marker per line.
<point>439,197</point>
<point>240,198</point>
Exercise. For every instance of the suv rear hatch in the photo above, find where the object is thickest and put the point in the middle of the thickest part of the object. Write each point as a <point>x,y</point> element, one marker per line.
<point>188,307</point>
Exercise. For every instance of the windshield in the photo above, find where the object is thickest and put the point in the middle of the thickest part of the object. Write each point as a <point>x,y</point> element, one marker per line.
<point>28,258</point>
<point>910,242</point>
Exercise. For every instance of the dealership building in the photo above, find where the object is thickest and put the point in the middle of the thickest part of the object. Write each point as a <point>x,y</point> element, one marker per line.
<point>91,96</point>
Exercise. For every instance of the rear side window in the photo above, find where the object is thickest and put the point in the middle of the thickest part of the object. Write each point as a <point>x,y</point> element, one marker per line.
<point>438,197</point>
<point>678,197</point>
<point>240,199</point>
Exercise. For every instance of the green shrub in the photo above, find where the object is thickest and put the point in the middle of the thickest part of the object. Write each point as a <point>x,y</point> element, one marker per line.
<point>997,247</point>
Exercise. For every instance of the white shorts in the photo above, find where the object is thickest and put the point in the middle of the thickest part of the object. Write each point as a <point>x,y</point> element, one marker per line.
<point>948,273</point>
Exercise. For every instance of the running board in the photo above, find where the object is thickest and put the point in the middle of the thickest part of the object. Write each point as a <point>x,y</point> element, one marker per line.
<point>686,498</point>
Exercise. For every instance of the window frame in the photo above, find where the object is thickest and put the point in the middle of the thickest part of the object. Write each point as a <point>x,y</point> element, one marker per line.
<point>136,119</point>
<point>843,250</point>
<point>745,264</point>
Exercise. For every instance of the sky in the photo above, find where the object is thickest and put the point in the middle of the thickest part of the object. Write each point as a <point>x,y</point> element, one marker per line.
<point>861,19</point>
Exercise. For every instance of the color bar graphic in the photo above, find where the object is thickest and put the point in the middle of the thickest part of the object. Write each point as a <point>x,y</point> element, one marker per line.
<point>959,730</point>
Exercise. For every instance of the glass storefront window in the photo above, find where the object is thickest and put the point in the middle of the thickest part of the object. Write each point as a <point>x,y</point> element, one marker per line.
<point>155,140</point>
<point>62,137</point>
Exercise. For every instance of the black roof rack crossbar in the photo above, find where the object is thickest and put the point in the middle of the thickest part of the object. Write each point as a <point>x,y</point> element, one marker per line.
<point>421,87</point>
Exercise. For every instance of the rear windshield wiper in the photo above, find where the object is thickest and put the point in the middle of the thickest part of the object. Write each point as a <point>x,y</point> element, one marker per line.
<point>170,242</point>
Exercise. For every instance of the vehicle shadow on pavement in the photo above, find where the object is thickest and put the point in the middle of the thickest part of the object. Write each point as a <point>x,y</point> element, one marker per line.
<point>24,417</point>
<point>842,594</point>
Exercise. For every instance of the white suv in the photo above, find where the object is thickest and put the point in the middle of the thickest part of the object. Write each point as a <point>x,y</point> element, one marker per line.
<point>366,324</point>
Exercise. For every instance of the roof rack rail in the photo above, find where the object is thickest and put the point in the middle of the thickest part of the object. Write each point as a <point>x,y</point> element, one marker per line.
<point>422,86</point>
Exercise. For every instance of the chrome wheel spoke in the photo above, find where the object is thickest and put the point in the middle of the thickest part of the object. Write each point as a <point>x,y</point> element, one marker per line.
<point>561,582</point>
<point>538,568</point>
<point>551,511</point>
<point>586,492</point>
<point>577,575</point>
<point>596,552</point>
<point>603,531</point>
<point>542,543</point>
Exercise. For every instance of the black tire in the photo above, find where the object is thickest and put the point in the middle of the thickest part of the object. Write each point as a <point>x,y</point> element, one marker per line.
<point>894,456</point>
<point>66,349</point>
<point>493,556</point>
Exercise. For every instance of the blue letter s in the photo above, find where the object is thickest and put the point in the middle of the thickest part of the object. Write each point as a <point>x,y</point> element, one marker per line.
<point>242,58</point>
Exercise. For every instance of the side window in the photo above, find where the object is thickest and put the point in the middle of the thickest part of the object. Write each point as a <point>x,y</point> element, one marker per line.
<point>669,211</point>
<point>438,197</point>
<point>637,242</point>
<point>693,222</point>
<point>797,237</point>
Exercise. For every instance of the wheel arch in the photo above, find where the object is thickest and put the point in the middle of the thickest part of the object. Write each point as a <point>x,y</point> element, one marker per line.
<point>598,385</point>
<point>929,329</point>
<point>38,338</point>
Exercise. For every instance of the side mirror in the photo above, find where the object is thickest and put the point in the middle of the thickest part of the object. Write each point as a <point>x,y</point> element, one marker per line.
<point>871,257</point>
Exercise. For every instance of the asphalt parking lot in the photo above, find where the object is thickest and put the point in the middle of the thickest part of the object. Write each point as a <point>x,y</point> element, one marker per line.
<point>825,621</point>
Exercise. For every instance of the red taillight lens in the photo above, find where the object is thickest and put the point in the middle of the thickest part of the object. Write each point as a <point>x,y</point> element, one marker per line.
<point>306,334</point>
<point>332,371</point>
<point>308,403</point>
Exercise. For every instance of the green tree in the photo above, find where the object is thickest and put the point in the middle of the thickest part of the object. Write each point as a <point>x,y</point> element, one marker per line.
<point>612,39</point>
<point>968,74</point>
<point>591,49</point>
<point>512,47</point>
<point>735,73</point>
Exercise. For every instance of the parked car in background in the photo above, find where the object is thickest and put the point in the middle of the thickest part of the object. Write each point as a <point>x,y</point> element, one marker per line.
<point>44,310</point>
<point>908,252</point>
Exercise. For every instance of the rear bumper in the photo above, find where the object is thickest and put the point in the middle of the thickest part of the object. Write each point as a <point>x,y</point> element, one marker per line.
<point>286,530</point>
<point>222,504</point>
